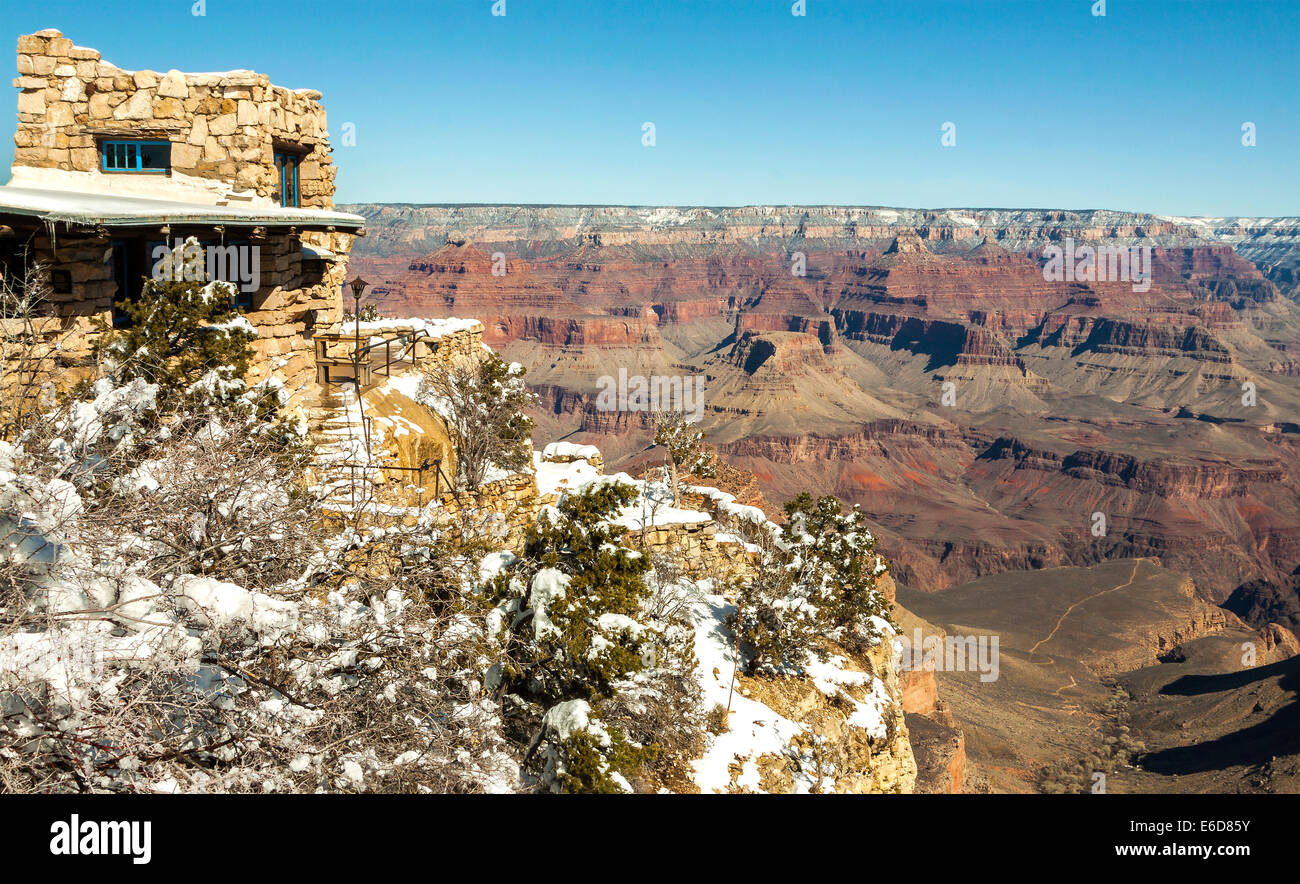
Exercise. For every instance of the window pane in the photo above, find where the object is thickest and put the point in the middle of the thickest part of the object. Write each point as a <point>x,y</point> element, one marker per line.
<point>155,156</point>
<point>135,156</point>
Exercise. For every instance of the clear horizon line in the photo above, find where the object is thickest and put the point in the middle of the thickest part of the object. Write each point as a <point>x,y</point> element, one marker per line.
<point>560,205</point>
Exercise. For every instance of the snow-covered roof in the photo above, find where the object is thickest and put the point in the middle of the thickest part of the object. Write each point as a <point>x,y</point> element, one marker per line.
<point>112,210</point>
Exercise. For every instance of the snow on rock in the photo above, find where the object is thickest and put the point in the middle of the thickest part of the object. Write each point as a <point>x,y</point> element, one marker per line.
<point>553,478</point>
<point>830,677</point>
<point>753,729</point>
<point>650,509</point>
<point>726,503</point>
<point>568,451</point>
<point>432,328</point>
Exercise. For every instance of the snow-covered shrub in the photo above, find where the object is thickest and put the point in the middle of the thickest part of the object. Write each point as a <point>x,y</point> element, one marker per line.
<point>482,402</point>
<point>178,612</point>
<point>838,551</point>
<point>819,579</point>
<point>219,500</point>
<point>587,671</point>
<point>571,605</point>
<point>184,334</point>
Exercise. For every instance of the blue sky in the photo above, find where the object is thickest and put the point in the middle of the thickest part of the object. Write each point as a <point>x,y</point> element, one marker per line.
<point>1141,109</point>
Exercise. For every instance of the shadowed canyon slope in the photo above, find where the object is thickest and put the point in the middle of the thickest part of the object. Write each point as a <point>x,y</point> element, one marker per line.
<point>920,363</point>
<point>1092,660</point>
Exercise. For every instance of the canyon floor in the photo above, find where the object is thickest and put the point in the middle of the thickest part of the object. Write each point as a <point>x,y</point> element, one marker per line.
<point>1085,652</point>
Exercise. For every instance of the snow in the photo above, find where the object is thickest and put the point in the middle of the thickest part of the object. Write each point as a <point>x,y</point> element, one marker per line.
<point>569,451</point>
<point>726,503</point>
<point>753,729</point>
<point>830,677</point>
<point>228,604</point>
<point>239,323</point>
<point>570,717</point>
<point>113,210</point>
<point>429,328</point>
<point>565,719</point>
<point>213,387</point>
<point>619,622</point>
<point>648,513</point>
<point>664,216</point>
<point>553,478</point>
<point>111,414</point>
<point>495,563</point>
<point>549,585</point>
<point>649,510</point>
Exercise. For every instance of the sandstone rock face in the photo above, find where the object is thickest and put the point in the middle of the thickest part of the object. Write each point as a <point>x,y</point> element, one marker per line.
<point>940,753</point>
<point>849,759</point>
<point>1280,641</point>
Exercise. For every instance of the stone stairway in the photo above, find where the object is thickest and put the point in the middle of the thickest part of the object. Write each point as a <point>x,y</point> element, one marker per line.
<point>347,475</point>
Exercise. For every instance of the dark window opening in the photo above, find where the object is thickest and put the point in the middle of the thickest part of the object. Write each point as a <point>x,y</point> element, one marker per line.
<point>229,261</point>
<point>61,282</point>
<point>286,167</point>
<point>135,156</point>
<point>134,261</point>
<point>131,264</point>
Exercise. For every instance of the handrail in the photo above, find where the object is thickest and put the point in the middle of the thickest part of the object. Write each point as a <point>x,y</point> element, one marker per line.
<point>407,340</point>
<point>436,463</point>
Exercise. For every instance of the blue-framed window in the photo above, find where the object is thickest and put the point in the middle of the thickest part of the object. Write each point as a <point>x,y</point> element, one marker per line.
<point>135,156</point>
<point>286,164</point>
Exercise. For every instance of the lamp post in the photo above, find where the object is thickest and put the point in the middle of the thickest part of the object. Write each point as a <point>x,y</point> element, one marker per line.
<point>358,286</point>
<point>358,289</point>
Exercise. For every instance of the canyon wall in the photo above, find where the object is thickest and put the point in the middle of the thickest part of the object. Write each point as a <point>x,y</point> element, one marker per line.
<point>921,363</point>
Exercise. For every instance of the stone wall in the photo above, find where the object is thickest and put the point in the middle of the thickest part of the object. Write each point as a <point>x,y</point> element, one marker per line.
<point>291,304</point>
<point>696,545</point>
<point>454,346</point>
<point>224,128</point>
<point>507,507</point>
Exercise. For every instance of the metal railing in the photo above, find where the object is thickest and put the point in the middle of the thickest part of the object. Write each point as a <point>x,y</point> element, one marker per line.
<point>361,358</point>
<point>433,465</point>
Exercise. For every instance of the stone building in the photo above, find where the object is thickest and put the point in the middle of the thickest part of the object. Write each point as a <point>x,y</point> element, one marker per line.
<point>111,166</point>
